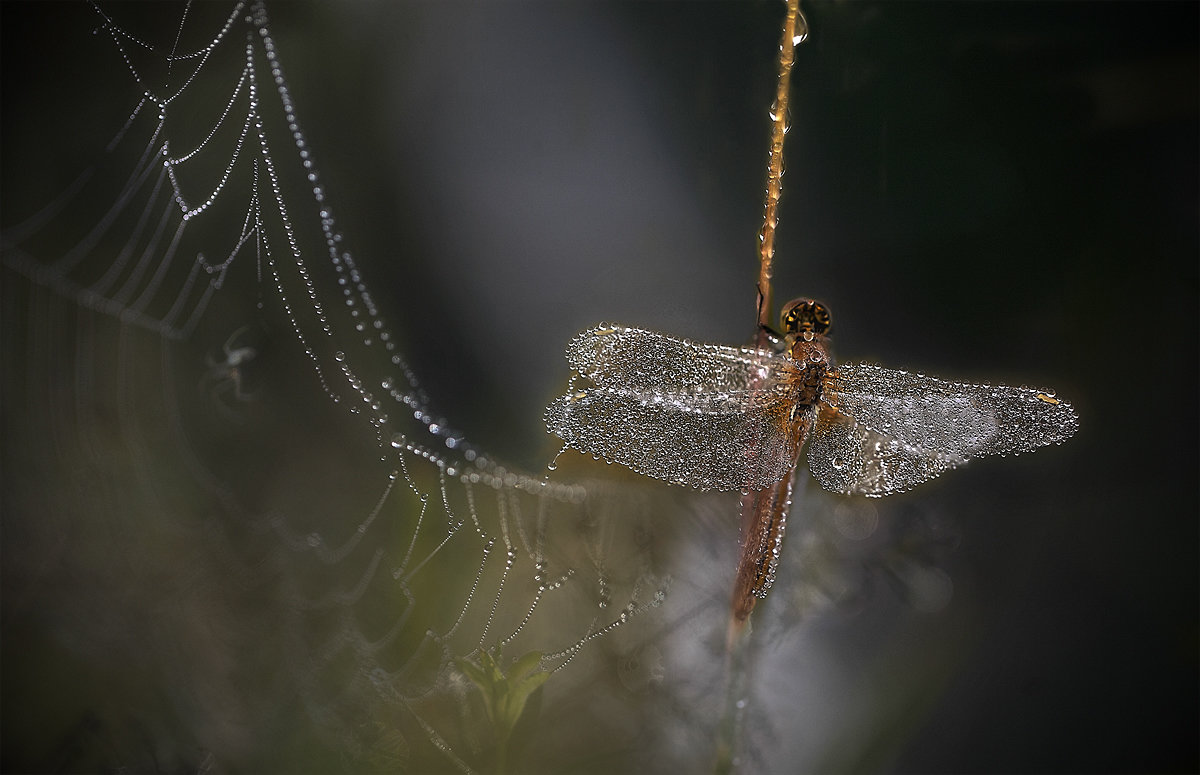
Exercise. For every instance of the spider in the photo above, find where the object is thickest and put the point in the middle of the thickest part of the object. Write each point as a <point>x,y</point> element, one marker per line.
<point>225,380</point>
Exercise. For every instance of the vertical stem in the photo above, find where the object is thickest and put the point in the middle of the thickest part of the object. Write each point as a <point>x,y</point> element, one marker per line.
<point>795,30</point>
<point>737,669</point>
<point>761,510</point>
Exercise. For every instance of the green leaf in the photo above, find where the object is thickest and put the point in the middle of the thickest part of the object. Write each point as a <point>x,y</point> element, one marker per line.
<point>505,697</point>
<point>475,673</point>
<point>518,694</point>
<point>525,664</point>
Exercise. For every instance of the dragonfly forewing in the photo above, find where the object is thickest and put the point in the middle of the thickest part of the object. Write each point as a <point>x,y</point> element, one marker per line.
<point>632,357</point>
<point>705,416</point>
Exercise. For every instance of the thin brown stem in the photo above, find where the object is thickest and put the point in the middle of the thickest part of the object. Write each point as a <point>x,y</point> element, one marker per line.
<point>795,30</point>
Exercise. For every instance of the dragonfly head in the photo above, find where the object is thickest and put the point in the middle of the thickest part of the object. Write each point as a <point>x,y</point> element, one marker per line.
<point>805,318</point>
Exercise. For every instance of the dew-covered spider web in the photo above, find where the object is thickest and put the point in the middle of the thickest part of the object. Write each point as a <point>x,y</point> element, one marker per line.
<point>238,534</point>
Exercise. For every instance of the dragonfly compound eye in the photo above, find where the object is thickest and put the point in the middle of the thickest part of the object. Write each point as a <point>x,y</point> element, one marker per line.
<point>801,315</point>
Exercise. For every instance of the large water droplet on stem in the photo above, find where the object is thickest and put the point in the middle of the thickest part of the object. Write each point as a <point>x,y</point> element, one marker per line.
<point>800,33</point>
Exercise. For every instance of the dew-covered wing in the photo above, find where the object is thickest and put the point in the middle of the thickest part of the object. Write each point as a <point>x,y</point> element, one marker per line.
<point>883,431</point>
<point>705,416</point>
<point>848,457</point>
<point>632,357</point>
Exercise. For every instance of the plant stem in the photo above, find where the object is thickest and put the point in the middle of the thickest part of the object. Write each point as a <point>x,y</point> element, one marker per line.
<point>795,30</point>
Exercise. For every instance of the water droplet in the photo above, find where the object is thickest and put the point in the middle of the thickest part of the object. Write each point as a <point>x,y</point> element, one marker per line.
<point>800,33</point>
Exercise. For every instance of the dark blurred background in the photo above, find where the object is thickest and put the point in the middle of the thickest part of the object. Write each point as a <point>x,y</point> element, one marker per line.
<point>982,191</point>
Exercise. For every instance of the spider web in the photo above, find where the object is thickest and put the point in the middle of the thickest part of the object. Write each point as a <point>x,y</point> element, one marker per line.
<point>233,493</point>
<point>410,548</point>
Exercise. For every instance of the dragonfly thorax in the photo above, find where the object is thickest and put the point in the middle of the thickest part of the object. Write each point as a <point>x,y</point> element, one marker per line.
<point>811,355</point>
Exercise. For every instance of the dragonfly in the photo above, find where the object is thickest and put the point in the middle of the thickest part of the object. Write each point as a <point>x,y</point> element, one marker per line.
<point>715,417</point>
